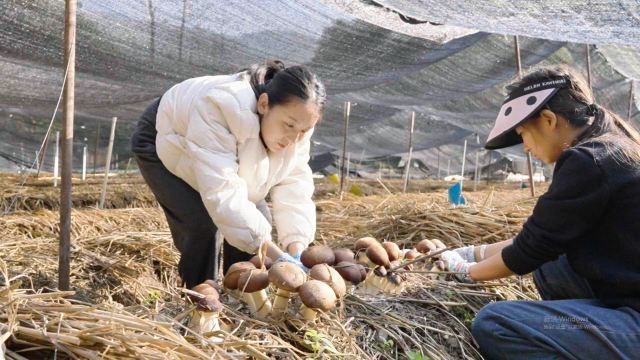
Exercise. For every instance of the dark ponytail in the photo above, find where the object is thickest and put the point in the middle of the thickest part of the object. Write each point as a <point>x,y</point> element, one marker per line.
<point>285,84</point>
<point>576,105</point>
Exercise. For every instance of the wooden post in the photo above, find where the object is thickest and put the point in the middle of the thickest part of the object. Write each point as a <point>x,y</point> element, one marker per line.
<point>55,161</point>
<point>448,166</point>
<point>518,64</point>
<point>530,166</point>
<point>37,160</point>
<point>490,154</point>
<point>64,267</point>
<point>84,163</point>
<point>633,83</point>
<point>126,171</point>
<point>588,66</point>
<point>347,111</point>
<point>95,151</point>
<point>108,162</point>
<point>408,164</point>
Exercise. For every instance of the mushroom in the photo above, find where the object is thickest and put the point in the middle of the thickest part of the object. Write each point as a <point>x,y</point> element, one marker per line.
<point>361,245</point>
<point>377,255</point>
<point>351,273</point>
<point>214,284</point>
<point>394,284</point>
<point>287,277</point>
<point>364,269</point>
<point>205,316</point>
<point>257,262</point>
<point>329,276</point>
<point>203,289</point>
<point>439,245</point>
<point>425,246</point>
<point>411,255</point>
<point>316,296</point>
<point>233,275</point>
<point>315,255</point>
<point>344,255</point>
<point>392,250</point>
<point>254,283</point>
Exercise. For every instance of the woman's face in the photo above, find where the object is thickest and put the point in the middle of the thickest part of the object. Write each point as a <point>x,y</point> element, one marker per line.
<point>542,137</point>
<point>284,125</point>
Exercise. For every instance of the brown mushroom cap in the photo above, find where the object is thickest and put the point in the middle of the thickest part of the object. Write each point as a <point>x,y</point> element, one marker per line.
<point>315,255</point>
<point>425,246</point>
<point>203,289</point>
<point>317,295</point>
<point>214,284</point>
<point>255,280</point>
<point>377,255</point>
<point>235,271</point>
<point>392,264</point>
<point>411,254</point>
<point>438,244</point>
<point>209,304</point>
<point>287,276</point>
<point>392,250</point>
<point>350,272</point>
<point>344,255</point>
<point>364,243</point>
<point>380,271</point>
<point>364,270</point>
<point>257,262</point>
<point>395,279</point>
<point>330,276</point>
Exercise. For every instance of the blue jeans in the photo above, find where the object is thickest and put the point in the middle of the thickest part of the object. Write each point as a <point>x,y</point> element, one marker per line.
<point>569,324</point>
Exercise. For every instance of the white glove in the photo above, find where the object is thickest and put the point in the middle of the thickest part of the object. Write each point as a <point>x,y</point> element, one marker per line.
<point>468,253</point>
<point>454,262</point>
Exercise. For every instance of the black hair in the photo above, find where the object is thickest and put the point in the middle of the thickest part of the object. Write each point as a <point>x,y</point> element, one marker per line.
<point>283,84</point>
<point>576,104</point>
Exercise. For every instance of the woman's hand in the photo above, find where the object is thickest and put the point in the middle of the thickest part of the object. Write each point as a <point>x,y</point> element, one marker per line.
<point>453,261</point>
<point>295,248</point>
<point>291,259</point>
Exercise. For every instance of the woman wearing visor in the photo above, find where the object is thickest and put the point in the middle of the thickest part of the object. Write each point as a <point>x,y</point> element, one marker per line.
<point>582,242</point>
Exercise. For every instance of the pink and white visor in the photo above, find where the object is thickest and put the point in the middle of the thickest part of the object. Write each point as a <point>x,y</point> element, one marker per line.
<point>517,108</point>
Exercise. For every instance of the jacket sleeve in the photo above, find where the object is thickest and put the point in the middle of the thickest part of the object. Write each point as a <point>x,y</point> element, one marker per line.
<point>293,209</point>
<point>574,203</point>
<point>212,149</point>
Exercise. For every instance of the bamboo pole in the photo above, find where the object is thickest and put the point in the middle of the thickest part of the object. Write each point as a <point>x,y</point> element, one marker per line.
<point>347,111</point>
<point>64,267</point>
<point>108,162</point>
<point>56,161</point>
<point>475,176</point>
<point>408,164</point>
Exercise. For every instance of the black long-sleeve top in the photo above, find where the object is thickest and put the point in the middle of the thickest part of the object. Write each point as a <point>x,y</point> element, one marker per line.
<point>591,213</point>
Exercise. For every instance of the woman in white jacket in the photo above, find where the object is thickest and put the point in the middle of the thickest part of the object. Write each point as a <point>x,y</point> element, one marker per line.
<point>213,147</point>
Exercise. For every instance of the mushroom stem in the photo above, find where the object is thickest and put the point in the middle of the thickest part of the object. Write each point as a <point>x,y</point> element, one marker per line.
<point>362,256</point>
<point>252,304</point>
<point>203,322</point>
<point>280,303</point>
<point>262,303</point>
<point>308,314</point>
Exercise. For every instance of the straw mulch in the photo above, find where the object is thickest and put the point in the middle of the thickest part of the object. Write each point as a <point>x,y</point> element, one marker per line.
<point>127,304</point>
<point>123,191</point>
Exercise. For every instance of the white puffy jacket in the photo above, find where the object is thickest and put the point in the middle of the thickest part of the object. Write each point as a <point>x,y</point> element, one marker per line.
<point>209,136</point>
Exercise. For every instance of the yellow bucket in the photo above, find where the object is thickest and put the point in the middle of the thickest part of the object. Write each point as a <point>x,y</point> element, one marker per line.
<point>334,178</point>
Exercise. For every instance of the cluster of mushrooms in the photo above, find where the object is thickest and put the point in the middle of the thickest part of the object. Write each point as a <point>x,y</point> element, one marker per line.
<point>332,274</point>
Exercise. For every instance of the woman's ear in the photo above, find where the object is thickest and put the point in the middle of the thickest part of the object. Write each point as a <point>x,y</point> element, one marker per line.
<point>548,119</point>
<point>263,103</point>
